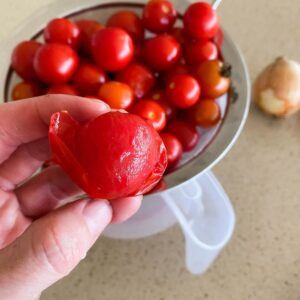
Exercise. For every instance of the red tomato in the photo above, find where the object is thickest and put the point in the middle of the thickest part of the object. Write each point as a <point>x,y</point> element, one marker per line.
<point>22,59</point>
<point>218,39</point>
<point>63,88</point>
<point>138,77</point>
<point>26,89</point>
<point>175,70</point>
<point>198,51</point>
<point>55,63</point>
<point>130,22</point>
<point>206,113</point>
<point>161,186</point>
<point>201,21</point>
<point>152,112</point>
<point>162,52</point>
<point>113,156</point>
<point>174,149</point>
<point>117,52</point>
<point>159,16</point>
<point>179,34</point>
<point>62,31</point>
<point>88,79</point>
<point>116,94</point>
<point>87,29</point>
<point>185,132</point>
<point>213,78</point>
<point>183,91</point>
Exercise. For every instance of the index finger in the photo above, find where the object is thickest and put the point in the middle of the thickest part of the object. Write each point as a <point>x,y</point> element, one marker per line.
<point>28,120</point>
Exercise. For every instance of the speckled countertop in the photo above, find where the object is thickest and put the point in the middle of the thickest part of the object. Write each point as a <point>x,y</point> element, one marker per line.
<point>261,175</point>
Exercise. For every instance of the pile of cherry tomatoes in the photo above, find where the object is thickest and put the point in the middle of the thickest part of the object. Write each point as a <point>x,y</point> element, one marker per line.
<point>168,74</point>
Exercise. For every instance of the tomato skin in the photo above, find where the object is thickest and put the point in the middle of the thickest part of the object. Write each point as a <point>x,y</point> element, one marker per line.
<point>87,29</point>
<point>206,113</point>
<point>63,88</point>
<point>201,21</point>
<point>130,22</point>
<point>62,31</point>
<point>152,112</point>
<point>138,77</point>
<point>183,91</point>
<point>209,75</point>
<point>89,78</point>
<point>218,39</point>
<point>116,94</point>
<point>175,70</point>
<point>22,59</point>
<point>55,63</point>
<point>185,132</point>
<point>159,16</point>
<point>179,34</point>
<point>26,89</point>
<point>118,50</point>
<point>198,51</point>
<point>162,52</point>
<point>174,149</point>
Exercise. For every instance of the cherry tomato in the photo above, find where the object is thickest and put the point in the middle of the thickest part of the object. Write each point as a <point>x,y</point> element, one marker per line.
<point>87,29</point>
<point>162,52</point>
<point>152,112</point>
<point>179,34</point>
<point>22,59</point>
<point>130,22</point>
<point>198,51</point>
<point>63,88</point>
<point>88,79</point>
<point>174,149</point>
<point>26,89</point>
<point>206,113</point>
<point>116,94</point>
<point>112,48</point>
<point>159,16</point>
<point>218,39</point>
<point>161,186</point>
<point>213,78</point>
<point>55,63</point>
<point>201,21</point>
<point>175,70</point>
<point>62,31</point>
<point>183,91</point>
<point>138,77</point>
<point>185,132</point>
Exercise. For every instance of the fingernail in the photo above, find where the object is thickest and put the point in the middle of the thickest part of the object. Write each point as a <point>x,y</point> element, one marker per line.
<point>97,215</point>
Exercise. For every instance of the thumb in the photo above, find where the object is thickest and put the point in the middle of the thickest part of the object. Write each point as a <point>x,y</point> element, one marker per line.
<point>50,248</point>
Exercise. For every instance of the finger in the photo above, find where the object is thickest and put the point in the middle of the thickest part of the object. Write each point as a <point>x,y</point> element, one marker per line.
<point>45,191</point>
<point>23,163</point>
<point>28,120</point>
<point>125,208</point>
<point>50,248</point>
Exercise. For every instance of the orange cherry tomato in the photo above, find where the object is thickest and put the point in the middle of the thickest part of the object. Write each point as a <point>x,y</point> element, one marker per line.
<point>26,89</point>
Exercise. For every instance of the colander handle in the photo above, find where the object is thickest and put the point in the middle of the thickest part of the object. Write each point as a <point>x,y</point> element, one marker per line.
<point>215,3</point>
<point>207,221</point>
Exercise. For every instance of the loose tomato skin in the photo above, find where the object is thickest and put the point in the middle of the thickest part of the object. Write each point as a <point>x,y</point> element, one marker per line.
<point>63,88</point>
<point>174,149</point>
<point>26,89</point>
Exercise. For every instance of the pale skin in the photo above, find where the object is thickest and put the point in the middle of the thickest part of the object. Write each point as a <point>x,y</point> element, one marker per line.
<point>38,241</point>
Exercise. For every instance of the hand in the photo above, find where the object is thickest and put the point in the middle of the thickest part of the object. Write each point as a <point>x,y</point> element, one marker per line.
<point>40,243</point>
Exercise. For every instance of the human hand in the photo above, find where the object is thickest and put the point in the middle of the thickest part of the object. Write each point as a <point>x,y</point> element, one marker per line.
<point>39,243</point>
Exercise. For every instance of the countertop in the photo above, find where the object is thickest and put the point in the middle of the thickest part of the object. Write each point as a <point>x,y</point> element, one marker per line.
<point>260,174</point>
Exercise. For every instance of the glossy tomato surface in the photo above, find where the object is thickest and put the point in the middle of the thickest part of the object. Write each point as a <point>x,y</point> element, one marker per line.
<point>179,68</point>
<point>63,88</point>
<point>174,148</point>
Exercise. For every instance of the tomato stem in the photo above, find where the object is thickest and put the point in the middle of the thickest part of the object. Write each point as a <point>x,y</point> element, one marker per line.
<point>226,70</point>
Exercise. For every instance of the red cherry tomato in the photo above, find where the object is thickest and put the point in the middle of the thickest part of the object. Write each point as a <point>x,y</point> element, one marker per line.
<point>175,70</point>
<point>26,89</point>
<point>198,51</point>
<point>161,186</point>
<point>22,59</point>
<point>218,39</point>
<point>138,77</point>
<point>116,94</point>
<point>88,79</point>
<point>185,132</point>
<point>179,34</point>
<point>152,112</point>
<point>174,149</point>
<point>130,22</point>
<point>159,16</point>
<point>183,91</point>
<point>162,52</point>
<point>112,48</point>
<point>201,21</point>
<point>63,88</point>
<point>206,113</point>
<point>87,29</point>
<point>62,31</point>
<point>213,77</point>
<point>55,63</point>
